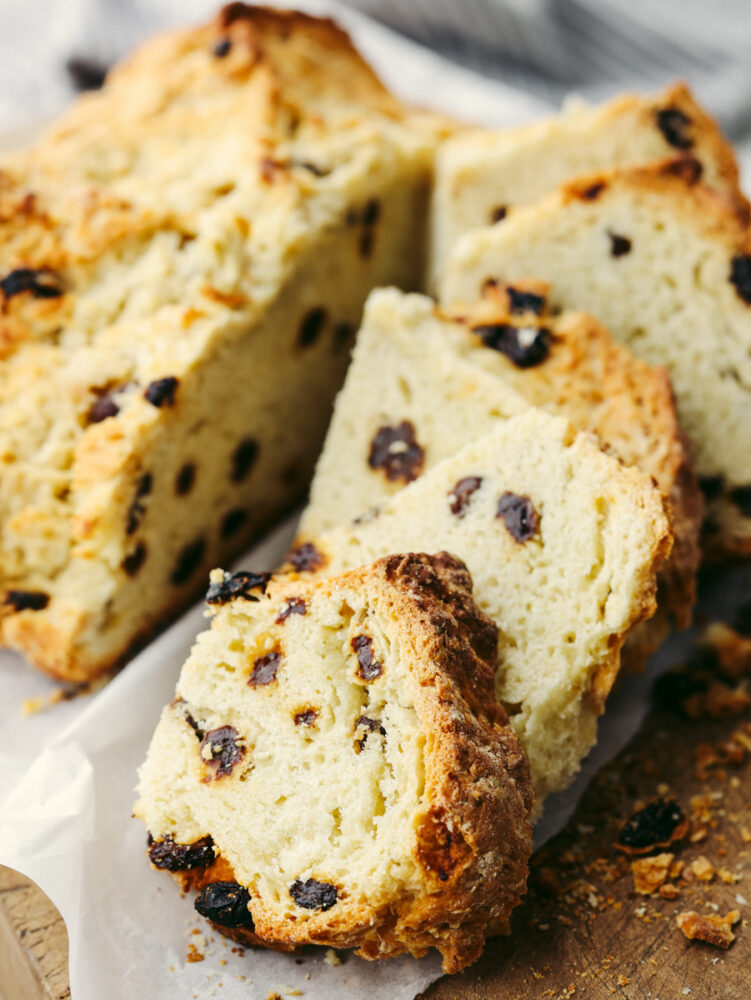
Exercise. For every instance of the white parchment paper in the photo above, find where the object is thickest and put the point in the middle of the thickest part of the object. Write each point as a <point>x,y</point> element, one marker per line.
<point>67,775</point>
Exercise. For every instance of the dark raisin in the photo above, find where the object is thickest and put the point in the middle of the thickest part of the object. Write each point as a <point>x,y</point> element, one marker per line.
<point>85,74</point>
<point>740,276</point>
<point>102,408</point>
<point>370,726</point>
<point>311,326</point>
<point>592,192</point>
<point>619,245</point>
<point>222,749</point>
<point>525,346</point>
<point>741,497</point>
<point>461,494</point>
<point>232,521</point>
<point>522,302</point>
<point>226,904</point>
<point>657,825</point>
<point>240,584</point>
<point>372,212</point>
<point>137,508</point>
<point>195,726</point>
<point>264,669</point>
<point>161,392</point>
<point>712,486</point>
<point>397,452</point>
<point>41,282</point>
<point>498,214</point>
<point>243,459</point>
<point>522,520</point>
<point>222,47</point>
<point>306,717</point>
<point>185,479</point>
<point>368,667</point>
<point>27,600</point>
<point>313,895</point>
<point>172,857</point>
<point>674,124</point>
<point>188,561</point>
<point>294,606</point>
<point>306,558</point>
<point>135,559</point>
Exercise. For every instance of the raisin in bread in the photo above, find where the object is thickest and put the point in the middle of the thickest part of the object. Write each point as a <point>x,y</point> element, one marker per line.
<point>431,400</point>
<point>482,175</point>
<point>665,263</point>
<point>336,770</point>
<point>183,260</point>
<point>563,544</point>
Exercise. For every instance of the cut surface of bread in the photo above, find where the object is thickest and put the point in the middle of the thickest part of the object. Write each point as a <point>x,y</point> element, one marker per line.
<point>335,768</point>
<point>481,176</point>
<point>413,396</point>
<point>563,544</point>
<point>676,290</point>
<point>183,260</point>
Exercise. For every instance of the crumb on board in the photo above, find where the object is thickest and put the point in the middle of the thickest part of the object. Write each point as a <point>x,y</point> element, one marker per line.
<point>713,929</point>
<point>650,873</point>
<point>194,955</point>
<point>331,958</point>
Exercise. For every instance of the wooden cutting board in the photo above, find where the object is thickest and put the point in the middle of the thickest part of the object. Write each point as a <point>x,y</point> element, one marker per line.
<point>582,934</point>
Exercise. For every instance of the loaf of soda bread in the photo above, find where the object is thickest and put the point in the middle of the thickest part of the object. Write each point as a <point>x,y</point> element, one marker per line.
<point>563,543</point>
<point>183,260</point>
<point>430,400</point>
<point>335,768</point>
<point>483,174</point>
<point>665,263</point>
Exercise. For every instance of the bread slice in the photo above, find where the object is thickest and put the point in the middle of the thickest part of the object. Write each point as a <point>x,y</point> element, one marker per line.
<point>482,175</point>
<point>183,261</point>
<point>335,769</point>
<point>665,264</point>
<point>414,385</point>
<point>563,544</point>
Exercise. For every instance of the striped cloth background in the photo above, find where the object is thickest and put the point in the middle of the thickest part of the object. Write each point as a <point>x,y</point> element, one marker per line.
<point>546,48</point>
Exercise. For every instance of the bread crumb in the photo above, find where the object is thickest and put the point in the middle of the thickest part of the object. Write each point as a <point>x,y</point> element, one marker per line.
<point>194,955</point>
<point>702,869</point>
<point>650,873</point>
<point>331,958</point>
<point>714,930</point>
<point>669,891</point>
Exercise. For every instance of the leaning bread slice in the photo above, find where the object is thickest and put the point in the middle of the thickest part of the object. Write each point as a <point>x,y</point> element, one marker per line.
<point>336,770</point>
<point>481,176</point>
<point>183,261</point>
<point>563,544</point>
<point>665,264</point>
<point>431,400</point>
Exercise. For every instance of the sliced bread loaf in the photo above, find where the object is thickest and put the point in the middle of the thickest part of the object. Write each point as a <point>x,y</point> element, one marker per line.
<point>482,175</point>
<point>414,395</point>
<point>183,261</point>
<point>336,770</point>
<point>563,544</point>
<point>665,264</point>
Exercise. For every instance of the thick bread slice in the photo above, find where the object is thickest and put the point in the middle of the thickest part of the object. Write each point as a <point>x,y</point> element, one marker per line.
<point>336,770</point>
<point>563,544</point>
<point>183,261</point>
<point>413,396</point>
<point>481,176</point>
<point>665,264</point>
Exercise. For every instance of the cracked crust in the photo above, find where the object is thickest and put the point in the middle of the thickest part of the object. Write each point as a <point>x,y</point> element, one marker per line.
<point>686,311</point>
<point>463,854</point>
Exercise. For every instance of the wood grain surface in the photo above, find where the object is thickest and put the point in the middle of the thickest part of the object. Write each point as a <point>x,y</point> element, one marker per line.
<point>583,933</point>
